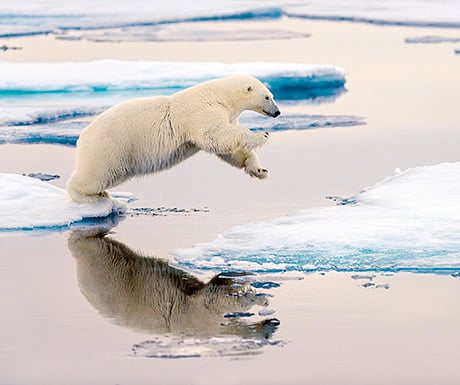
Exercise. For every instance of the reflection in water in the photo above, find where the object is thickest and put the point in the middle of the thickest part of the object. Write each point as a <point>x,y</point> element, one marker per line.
<point>148,295</point>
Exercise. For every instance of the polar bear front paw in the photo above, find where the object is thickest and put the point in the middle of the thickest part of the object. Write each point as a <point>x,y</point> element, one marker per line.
<point>260,172</point>
<point>257,140</point>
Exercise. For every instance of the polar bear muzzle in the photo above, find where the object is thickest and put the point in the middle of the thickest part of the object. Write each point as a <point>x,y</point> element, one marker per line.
<point>271,109</point>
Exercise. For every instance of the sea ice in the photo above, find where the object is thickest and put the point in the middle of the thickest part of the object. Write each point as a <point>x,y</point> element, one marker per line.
<point>63,129</point>
<point>58,17</point>
<point>113,75</point>
<point>28,203</point>
<point>408,222</point>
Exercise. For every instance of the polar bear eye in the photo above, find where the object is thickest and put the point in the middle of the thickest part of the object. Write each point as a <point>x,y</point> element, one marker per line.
<point>267,98</point>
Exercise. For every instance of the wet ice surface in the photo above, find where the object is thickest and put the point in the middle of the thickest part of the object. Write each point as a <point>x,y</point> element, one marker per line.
<point>408,222</point>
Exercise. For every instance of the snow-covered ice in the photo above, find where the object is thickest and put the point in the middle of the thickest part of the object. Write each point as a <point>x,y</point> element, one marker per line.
<point>28,203</point>
<point>114,75</point>
<point>408,222</point>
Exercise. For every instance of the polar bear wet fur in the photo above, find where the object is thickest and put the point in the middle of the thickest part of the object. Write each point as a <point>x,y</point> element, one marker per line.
<point>146,135</point>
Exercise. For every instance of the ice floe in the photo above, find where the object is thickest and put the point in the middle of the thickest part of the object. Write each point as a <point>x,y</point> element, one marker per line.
<point>61,128</point>
<point>408,222</point>
<point>28,203</point>
<point>58,17</point>
<point>113,75</point>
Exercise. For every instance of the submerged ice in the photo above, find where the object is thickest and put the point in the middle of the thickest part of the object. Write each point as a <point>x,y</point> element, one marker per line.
<point>408,222</point>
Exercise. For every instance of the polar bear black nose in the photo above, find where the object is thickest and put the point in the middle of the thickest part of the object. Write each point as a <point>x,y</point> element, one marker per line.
<point>277,113</point>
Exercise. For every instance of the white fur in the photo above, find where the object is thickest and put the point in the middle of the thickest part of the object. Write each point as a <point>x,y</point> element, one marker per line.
<point>147,135</point>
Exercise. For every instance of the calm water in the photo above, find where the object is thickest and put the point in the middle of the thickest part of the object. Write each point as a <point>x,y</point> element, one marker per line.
<point>65,319</point>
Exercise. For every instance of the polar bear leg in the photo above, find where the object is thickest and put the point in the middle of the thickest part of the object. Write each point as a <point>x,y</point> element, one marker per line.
<point>224,140</point>
<point>252,140</point>
<point>248,160</point>
<point>86,192</point>
<point>253,167</point>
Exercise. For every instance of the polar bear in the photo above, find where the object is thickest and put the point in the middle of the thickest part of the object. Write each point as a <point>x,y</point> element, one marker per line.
<point>146,135</point>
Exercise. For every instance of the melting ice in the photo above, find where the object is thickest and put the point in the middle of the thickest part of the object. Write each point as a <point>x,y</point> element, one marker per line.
<point>408,222</point>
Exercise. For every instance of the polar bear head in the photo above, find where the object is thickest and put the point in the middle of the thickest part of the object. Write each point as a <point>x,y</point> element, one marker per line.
<point>254,96</point>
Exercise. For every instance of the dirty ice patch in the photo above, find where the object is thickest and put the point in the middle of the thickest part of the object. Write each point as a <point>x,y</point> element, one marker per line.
<point>407,222</point>
<point>29,203</point>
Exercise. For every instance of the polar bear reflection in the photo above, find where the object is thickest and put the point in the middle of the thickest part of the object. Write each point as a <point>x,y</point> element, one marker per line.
<point>147,294</point>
